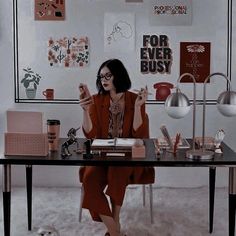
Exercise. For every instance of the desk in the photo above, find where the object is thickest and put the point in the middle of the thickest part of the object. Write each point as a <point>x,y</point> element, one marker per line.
<point>227,159</point>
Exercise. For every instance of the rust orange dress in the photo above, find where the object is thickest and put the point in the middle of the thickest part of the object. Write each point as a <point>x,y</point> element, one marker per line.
<point>95,179</point>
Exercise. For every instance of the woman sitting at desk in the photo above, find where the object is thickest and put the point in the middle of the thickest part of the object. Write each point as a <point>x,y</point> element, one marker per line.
<point>113,112</point>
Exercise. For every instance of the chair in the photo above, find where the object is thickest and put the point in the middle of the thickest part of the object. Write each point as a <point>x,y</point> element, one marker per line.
<point>148,171</point>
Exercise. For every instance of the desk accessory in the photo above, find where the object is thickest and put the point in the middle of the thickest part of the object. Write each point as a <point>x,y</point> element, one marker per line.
<point>87,154</point>
<point>138,149</point>
<point>25,135</point>
<point>65,152</point>
<point>177,105</point>
<point>167,137</point>
<point>53,129</point>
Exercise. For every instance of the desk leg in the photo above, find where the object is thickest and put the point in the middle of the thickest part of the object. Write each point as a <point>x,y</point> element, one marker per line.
<point>212,179</point>
<point>232,200</point>
<point>6,190</point>
<point>28,169</point>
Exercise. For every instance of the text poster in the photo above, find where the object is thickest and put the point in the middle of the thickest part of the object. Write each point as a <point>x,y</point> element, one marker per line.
<point>155,55</point>
<point>170,12</point>
<point>195,59</point>
<point>119,32</point>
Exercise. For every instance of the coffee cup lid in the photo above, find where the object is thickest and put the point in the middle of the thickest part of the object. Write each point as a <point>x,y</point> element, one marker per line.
<point>53,122</point>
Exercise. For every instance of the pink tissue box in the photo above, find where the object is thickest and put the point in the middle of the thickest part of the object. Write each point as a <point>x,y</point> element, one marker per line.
<point>25,144</point>
<point>138,151</point>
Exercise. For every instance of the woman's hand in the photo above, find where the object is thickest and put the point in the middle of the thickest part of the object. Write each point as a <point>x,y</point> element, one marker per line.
<point>142,97</point>
<point>85,97</point>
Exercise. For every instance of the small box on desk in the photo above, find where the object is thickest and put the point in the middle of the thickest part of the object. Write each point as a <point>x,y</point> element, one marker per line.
<point>25,144</point>
<point>138,151</point>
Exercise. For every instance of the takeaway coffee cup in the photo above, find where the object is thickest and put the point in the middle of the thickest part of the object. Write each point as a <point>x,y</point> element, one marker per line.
<point>53,130</point>
<point>49,94</point>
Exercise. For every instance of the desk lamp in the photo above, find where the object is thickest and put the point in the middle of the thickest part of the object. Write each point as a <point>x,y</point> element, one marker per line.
<point>177,105</point>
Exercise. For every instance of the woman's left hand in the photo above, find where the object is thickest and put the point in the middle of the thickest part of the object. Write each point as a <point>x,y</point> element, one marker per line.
<point>142,97</point>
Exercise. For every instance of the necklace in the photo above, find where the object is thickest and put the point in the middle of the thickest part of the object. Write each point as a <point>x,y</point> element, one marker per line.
<point>116,106</point>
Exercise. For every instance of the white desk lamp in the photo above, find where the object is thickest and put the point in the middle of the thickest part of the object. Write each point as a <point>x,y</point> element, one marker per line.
<point>177,105</point>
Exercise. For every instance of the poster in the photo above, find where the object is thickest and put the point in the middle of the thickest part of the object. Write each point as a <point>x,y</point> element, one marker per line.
<point>155,54</point>
<point>119,32</point>
<point>170,12</point>
<point>68,52</point>
<point>195,59</point>
<point>49,10</point>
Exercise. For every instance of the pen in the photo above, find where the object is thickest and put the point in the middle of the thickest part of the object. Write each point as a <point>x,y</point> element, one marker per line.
<point>177,139</point>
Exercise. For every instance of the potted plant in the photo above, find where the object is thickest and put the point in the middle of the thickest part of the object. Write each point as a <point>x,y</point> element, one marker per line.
<point>30,82</point>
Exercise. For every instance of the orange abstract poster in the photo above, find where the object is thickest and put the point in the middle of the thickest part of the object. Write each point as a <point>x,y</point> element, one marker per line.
<point>49,10</point>
<point>195,59</point>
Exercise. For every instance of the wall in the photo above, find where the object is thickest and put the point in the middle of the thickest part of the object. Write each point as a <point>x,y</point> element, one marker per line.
<point>71,116</point>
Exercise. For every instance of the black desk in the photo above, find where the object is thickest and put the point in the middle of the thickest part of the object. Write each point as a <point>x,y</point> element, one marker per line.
<point>227,159</point>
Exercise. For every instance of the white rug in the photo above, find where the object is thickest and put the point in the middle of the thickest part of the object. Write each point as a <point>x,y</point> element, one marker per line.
<point>177,212</point>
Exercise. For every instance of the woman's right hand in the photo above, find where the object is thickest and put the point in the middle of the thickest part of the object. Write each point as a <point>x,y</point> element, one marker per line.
<point>85,98</point>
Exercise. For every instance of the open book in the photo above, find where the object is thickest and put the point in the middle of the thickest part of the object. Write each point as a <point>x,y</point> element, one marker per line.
<point>113,143</point>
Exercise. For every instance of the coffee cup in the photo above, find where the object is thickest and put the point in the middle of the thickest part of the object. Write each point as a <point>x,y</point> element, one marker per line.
<point>49,94</point>
<point>53,130</point>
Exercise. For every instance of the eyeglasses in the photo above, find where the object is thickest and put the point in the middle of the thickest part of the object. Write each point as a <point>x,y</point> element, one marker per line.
<point>107,76</point>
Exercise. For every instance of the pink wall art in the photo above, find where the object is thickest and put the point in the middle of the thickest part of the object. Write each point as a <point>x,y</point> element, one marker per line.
<point>68,52</point>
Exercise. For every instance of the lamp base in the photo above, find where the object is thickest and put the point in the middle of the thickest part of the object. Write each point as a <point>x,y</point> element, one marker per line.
<point>200,154</point>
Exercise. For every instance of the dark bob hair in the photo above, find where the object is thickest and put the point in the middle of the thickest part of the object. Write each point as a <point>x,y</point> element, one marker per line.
<point>121,80</point>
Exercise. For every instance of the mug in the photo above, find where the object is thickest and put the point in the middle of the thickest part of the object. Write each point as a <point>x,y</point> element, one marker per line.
<point>49,94</point>
<point>53,130</point>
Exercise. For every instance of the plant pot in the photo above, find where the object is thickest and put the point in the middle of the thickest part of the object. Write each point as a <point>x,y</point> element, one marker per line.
<point>30,93</point>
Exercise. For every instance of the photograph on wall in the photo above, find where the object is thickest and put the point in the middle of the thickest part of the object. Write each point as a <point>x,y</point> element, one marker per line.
<point>170,12</point>
<point>195,59</point>
<point>49,10</point>
<point>68,52</point>
<point>119,32</point>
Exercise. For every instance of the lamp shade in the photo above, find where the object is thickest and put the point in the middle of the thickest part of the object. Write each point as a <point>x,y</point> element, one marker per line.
<point>177,105</point>
<point>226,103</point>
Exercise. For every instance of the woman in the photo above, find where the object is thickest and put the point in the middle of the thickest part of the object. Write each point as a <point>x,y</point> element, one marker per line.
<point>113,112</point>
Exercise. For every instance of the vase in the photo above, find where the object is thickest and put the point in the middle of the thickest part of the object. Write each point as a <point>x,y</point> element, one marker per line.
<point>30,93</point>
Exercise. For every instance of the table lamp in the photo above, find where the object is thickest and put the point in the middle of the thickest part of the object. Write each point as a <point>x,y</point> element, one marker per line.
<point>177,105</point>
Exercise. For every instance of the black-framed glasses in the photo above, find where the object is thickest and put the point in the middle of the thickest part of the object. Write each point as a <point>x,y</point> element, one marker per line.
<point>107,76</point>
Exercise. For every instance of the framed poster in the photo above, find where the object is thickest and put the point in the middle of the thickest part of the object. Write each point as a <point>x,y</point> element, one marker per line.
<point>195,58</point>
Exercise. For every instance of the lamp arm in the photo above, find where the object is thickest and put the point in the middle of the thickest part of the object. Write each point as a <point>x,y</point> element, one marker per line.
<point>194,102</point>
<point>204,104</point>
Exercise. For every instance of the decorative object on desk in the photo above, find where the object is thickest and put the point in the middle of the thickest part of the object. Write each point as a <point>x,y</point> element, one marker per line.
<point>71,139</point>
<point>49,94</point>
<point>53,129</point>
<point>138,149</point>
<point>208,141</point>
<point>25,135</point>
<point>167,137</point>
<point>87,154</point>
<point>30,81</point>
<point>177,105</point>
<point>47,230</point>
<point>219,137</point>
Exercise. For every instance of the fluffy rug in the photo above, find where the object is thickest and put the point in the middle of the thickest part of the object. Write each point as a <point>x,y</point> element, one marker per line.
<point>177,212</point>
